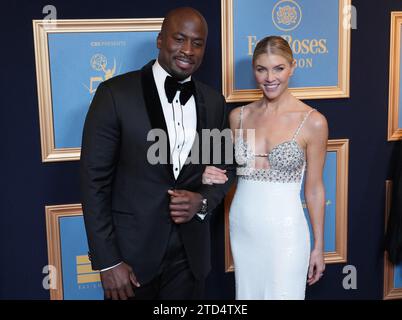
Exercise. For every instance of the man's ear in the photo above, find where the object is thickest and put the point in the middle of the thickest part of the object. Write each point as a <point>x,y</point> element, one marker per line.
<point>159,40</point>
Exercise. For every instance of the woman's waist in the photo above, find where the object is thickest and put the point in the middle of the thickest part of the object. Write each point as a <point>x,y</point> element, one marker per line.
<point>282,176</point>
<point>268,188</point>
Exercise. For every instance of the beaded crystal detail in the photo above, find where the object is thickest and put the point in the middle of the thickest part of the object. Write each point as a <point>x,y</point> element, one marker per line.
<point>286,160</point>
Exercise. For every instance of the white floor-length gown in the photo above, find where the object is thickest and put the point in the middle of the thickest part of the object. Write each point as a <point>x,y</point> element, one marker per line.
<point>269,235</point>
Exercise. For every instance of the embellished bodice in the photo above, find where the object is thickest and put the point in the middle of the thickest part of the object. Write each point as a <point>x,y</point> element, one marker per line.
<point>286,160</point>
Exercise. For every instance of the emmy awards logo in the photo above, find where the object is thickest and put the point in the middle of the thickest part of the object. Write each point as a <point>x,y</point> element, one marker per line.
<point>286,15</point>
<point>99,63</point>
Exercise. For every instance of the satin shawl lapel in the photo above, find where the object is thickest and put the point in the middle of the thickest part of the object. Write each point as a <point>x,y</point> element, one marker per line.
<point>154,107</point>
<point>201,109</point>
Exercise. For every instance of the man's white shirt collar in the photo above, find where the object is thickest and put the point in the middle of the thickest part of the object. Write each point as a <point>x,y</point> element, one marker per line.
<point>160,74</point>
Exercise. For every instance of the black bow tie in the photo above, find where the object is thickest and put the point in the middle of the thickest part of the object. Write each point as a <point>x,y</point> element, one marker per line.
<point>186,89</point>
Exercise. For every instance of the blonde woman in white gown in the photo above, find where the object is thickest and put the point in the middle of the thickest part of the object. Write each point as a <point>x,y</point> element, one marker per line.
<point>278,139</point>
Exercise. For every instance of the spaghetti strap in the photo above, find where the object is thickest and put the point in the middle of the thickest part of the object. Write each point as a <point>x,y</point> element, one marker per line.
<point>241,117</point>
<point>301,124</point>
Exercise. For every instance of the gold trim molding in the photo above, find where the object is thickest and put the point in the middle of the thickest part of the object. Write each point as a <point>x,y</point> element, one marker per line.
<point>394,132</point>
<point>325,92</point>
<point>389,292</point>
<point>53,215</point>
<point>41,29</point>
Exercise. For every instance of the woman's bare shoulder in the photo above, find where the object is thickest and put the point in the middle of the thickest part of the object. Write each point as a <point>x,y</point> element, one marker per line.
<point>316,123</point>
<point>234,114</point>
<point>303,107</point>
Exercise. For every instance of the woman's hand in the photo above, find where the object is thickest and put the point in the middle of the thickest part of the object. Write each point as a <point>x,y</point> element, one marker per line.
<point>316,267</point>
<point>213,175</point>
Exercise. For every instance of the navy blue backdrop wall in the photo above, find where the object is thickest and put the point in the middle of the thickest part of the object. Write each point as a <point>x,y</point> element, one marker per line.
<point>27,184</point>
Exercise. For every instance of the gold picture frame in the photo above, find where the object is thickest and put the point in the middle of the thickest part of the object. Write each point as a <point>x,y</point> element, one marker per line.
<point>83,273</point>
<point>341,147</point>
<point>394,131</point>
<point>41,30</point>
<point>389,292</point>
<point>341,90</point>
<point>53,215</point>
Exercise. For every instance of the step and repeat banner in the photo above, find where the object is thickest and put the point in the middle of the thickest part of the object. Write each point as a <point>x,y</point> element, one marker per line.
<point>74,56</point>
<point>315,30</point>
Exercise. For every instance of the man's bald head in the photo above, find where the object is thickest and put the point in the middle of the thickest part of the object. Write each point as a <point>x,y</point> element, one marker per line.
<point>182,41</point>
<point>187,13</point>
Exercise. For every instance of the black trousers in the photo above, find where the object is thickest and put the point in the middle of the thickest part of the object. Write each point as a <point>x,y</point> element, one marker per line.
<point>174,280</point>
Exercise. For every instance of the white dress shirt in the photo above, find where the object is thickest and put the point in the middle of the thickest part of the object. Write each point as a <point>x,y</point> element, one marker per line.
<point>181,121</point>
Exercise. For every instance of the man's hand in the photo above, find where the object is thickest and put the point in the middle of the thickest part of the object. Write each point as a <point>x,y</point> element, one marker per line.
<point>184,205</point>
<point>117,282</point>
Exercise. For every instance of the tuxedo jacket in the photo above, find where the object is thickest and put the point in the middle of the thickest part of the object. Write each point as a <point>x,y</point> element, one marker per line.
<point>124,196</point>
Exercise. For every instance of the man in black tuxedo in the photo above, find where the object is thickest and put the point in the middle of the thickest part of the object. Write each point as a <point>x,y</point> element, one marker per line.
<point>147,224</point>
